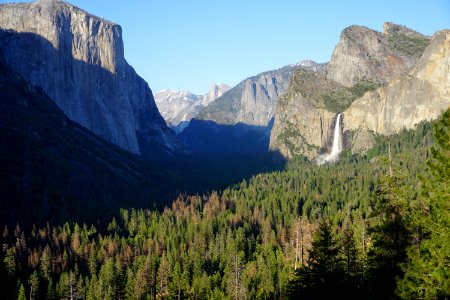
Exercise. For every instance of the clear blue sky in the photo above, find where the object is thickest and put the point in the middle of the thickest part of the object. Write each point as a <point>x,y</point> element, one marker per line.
<point>190,44</point>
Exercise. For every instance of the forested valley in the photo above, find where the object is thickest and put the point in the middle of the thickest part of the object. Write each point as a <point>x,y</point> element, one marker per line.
<point>372,226</point>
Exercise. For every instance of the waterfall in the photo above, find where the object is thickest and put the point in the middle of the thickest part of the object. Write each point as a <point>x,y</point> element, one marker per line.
<point>333,156</point>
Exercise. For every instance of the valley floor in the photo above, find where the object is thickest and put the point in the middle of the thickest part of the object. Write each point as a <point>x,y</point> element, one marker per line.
<point>305,231</point>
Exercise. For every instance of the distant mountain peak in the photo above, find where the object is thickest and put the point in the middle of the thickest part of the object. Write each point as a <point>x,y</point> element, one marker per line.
<point>216,90</point>
<point>307,63</point>
<point>179,107</point>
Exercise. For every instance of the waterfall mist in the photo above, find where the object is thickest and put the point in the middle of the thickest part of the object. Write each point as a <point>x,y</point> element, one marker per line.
<point>333,156</point>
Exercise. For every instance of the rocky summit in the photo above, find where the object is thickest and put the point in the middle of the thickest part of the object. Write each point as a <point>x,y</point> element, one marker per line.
<point>179,107</point>
<point>420,95</point>
<point>78,60</point>
<point>365,54</point>
<point>380,82</point>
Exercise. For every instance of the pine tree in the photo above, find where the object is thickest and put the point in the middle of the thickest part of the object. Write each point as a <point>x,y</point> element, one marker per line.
<point>321,279</point>
<point>46,263</point>
<point>179,282</point>
<point>163,276</point>
<point>390,234</point>
<point>428,269</point>
<point>34,285</point>
<point>351,264</point>
<point>51,295</point>
<point>22,295</point>
<point>300,285</point>
<point>234,268</point>
<point>324,261</point>
<point>92,260</point>
<point>130,286</point>
<point>10,262</point>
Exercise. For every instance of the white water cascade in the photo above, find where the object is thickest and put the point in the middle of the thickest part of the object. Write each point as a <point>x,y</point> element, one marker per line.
<point>333,156</point>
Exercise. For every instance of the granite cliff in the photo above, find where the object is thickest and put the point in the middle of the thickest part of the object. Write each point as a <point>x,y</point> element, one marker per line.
<point>51,168</point>
<point>305,114</point>
<point>78,60</point>
<point>253,100</point>
<point>423,94</point>
<point>240,121</point>
<point>380,82</point>
<point>379,57</point>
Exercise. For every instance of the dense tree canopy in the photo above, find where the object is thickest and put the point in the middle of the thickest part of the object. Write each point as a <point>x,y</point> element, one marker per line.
<point>245,242</point>
<point>428,266</point>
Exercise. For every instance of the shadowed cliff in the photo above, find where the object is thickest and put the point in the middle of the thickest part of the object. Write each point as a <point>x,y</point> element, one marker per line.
<point>78,60</point>
<point>53,169</point>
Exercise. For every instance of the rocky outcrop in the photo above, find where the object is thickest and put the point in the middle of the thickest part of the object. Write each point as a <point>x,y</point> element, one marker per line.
<point>421,95</point>
<point>302,120</point>
<point>179,107</point>
<point>78,60</point>
<point>419,90</point>
<point>365,54</point>
<point>240,121</point>
<point>215,92</point>
<point>253,100</point>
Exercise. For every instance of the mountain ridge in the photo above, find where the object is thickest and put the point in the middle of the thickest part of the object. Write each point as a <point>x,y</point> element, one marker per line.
<point>241,119</point>
<point>179,107</point>
<point>422,94</point>
<point>304,121</point>
<point>366,54</point>
<point>252,101</point>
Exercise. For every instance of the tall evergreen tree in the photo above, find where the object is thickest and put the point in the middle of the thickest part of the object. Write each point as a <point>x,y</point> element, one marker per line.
<point>22,295</point>
<point>390,235</point>
<point>428,268</point>
<point>321,279</point>
<point>351,264</point>
<point>34,285</point>
<point>324,261</point>
<point>10,264</point>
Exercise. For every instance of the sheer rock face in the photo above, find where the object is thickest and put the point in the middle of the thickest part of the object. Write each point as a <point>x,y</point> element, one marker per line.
<point>420,91</point>
<point>365,54</point>
<point>215,92</point>
<point>301,129</point>
<point>259,97</point>
<point>78,60</point>
<point>302,122</point>
<point>179,107</point>
<point>253,100</point>
<point>420,95</point>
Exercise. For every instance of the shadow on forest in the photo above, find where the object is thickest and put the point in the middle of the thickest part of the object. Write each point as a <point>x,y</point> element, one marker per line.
<point>53,169</point>
<point>222,155</point>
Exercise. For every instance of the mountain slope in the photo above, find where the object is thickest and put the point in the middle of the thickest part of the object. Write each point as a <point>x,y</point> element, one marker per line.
<point>363,60</point>
<point>379,57</point>
<point>78,60</point>
<point>305,114</point>
<point>240,121</point>
<point>420,95</point>
<point>54,169</point>
<point>253,100</point>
